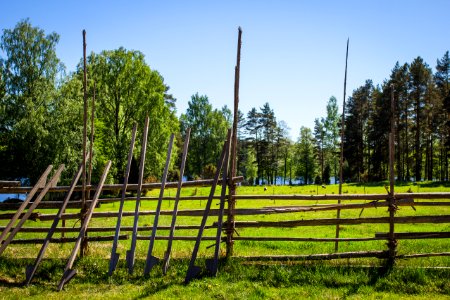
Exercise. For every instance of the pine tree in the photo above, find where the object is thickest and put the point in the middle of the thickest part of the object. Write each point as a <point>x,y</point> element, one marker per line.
<point>420,75</point>
<point>442,80</point>
<point>357,111</point>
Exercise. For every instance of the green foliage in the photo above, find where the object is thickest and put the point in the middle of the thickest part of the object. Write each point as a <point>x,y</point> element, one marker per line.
<point>305,159</point>
<point>332,137</point>
<point>127,91</point>
<point>269,141</point>
<point>208,133</point>
<point>29,100</point>
<point>67,123</point>
<point>319,139</point>
<point>356,128</point>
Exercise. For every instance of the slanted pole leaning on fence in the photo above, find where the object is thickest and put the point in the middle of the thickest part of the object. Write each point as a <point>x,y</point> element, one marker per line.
<point>341,161</point>
<point>68,271</point>
<point>392,243</point>
<point>193,270</point>
<point>36,202</point>
<point>31,269</point>
<point>24,204</point>
<point>114,255</point>
<point>152,260</point>
<point>177,200</point>
<point>131,253</point>
<point>212,264</point>
<point>232,185</point>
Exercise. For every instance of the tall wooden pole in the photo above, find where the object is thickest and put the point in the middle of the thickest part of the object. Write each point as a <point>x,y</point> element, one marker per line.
<point>341,161</point>
<point>91,145</point>
<point>232,186</point>
<point>83,192</point>
<point>392,243</point>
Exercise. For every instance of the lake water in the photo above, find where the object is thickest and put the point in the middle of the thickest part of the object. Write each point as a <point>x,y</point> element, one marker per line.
<point>4,197</point>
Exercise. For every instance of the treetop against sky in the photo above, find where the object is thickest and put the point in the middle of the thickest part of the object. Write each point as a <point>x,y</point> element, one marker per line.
<point>292,55</point>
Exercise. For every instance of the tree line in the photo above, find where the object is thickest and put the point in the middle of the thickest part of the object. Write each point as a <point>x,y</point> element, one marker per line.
<point>41,116</point>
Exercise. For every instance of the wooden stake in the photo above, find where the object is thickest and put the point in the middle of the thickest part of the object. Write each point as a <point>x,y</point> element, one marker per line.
<point>83,193</point>
<point>24,204</point>
<point>341,161</point>
<point>36,202</point>
<point>177,200</point>
<point>212,264</point>
<point>131,253</point>
<point>193,270</point>
<point>114,255</point>
<point>392,202</point>
<point>152,260</point>
<point>68,271</point>
<point>91,145</point>
<point>232,185</point>
<point>31,269</point>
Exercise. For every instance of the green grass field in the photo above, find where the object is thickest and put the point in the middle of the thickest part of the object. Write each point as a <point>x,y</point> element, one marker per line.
<point>417,278</point>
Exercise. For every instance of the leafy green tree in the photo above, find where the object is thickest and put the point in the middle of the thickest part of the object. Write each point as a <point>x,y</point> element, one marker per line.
<point>208,132</point>
<point>283,147</point>
<point>29,70</point>
<point>249,166</point>
<point>67,126</point>
<point>304,156</point>
<point>127,91</point>
<point>332,137</point>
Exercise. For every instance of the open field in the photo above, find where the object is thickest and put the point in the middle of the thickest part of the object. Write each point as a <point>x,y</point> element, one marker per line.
<point>352,278</point>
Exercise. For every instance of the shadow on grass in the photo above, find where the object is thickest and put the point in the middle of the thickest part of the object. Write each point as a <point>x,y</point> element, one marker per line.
<point>350,280</point>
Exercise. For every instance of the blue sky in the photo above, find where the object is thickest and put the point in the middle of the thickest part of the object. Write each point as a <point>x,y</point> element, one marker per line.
<point>293,52</point>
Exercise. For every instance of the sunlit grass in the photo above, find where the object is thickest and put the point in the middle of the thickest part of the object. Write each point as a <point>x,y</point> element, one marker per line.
<point>93,281</point>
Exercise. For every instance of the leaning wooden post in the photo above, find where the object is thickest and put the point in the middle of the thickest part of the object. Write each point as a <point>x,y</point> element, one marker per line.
<point>83,192</point>
<point>12,221</point>
<point>68,271</point>
<point>177,200</point>
<point>392,243</point>
<point>130,256</point>
<point>231,184</point>
<point>341,161</point>
<point>114,255</point>
<point>152,260</point>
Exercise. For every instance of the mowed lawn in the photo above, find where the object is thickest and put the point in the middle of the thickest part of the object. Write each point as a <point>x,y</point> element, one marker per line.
<point>238,278</point>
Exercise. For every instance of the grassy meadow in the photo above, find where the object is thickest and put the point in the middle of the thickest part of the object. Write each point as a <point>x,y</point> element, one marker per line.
<point>417,278</point>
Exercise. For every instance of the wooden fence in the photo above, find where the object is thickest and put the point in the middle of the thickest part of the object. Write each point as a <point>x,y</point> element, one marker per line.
<point>34,208</point>
<point>228,220</point>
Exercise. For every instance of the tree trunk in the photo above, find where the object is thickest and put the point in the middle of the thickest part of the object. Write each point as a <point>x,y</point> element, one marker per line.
<point>417,150</point>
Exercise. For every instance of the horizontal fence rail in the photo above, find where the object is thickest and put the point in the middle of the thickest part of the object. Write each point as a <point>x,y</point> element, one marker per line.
<point>294,215</point>
<point>116,187</point>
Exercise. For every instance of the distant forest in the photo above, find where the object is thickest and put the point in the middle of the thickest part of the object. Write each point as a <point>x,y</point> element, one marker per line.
<point>41,121</point>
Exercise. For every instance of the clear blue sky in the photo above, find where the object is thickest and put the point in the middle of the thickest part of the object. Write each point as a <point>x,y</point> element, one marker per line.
<point>293,52</point>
